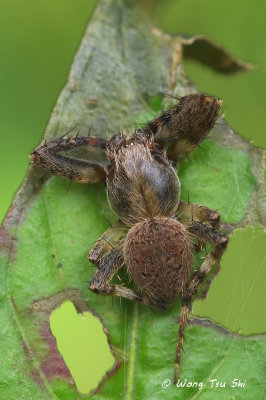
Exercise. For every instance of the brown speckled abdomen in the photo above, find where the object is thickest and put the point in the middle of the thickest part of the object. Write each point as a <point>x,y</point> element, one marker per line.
<point>158,255</point>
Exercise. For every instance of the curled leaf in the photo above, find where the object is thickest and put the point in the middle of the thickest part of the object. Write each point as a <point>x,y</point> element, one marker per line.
<point>211,54</point>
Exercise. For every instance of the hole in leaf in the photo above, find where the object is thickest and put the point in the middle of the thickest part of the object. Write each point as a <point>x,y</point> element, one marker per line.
<point>237,295</point>
<point>83,344</point>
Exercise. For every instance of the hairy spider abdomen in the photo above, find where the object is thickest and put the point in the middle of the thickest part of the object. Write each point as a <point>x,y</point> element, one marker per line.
<point>158,255</point>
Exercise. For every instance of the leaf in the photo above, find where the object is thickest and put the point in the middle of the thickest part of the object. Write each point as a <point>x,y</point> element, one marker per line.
<point>225,165</point>
<point>118,74</point>
<point>209,53</point>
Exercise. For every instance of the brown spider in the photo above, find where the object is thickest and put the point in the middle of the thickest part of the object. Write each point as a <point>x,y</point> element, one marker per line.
<point>150,237</point>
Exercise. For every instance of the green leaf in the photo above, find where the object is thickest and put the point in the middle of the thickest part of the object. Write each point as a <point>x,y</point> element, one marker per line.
<point>118,74</point>
<point>211,162</point>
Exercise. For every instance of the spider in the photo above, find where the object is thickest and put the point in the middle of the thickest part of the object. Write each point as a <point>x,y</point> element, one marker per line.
<point>156,233</point>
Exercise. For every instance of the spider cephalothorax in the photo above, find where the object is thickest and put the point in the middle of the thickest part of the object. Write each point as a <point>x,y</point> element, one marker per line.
<point>156,233</point>
<point>141,182</point>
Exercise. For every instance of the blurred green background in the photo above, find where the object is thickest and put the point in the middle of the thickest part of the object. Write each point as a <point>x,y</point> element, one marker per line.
<point>38,40</point>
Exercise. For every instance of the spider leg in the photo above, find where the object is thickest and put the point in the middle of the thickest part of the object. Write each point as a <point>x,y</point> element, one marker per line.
<point>182,324</point>
<point>206,234</point>
<point>196,212</point>
<point>107,242</point>
<point>108,266</point>
<point>48,157</point>
<point>185,125</point>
